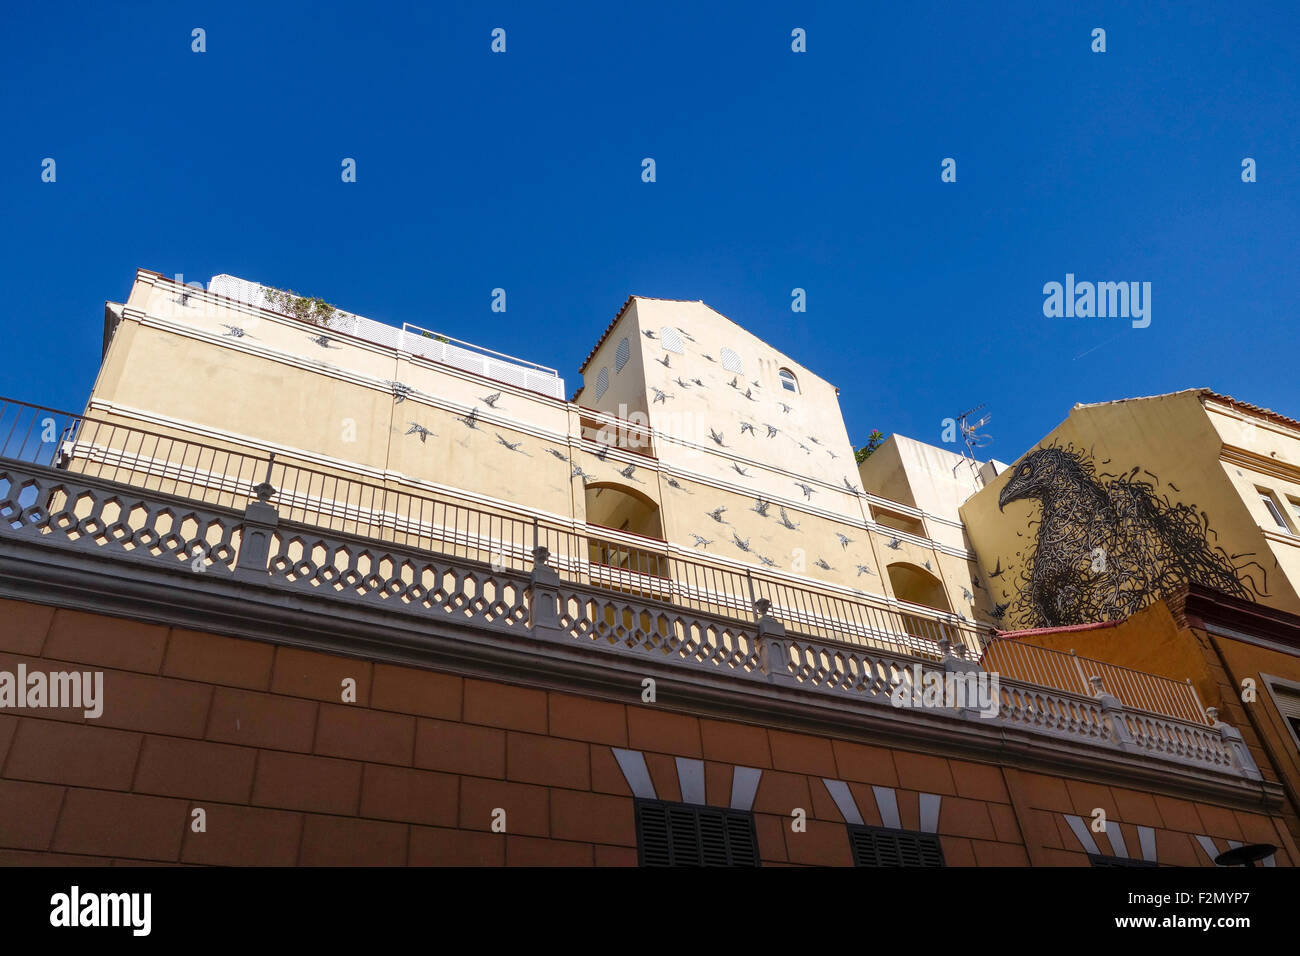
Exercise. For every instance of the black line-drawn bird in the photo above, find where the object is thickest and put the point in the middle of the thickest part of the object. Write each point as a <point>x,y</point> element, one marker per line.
<point>746,427</point>
<point>674,483</point>
<point>513,446</point>
<point>738,541</point>
<point>709,357</point>
<point>602,453</point>
<point>894,543</point>
<point>999,611</point>
<point>766,561</point>
<point>966,594</point>
<point>997,571</point>
<point>701,542</point>
<point>739,470</point>
<point>628,473</point>
<point>1107,545</point>
<point>863,569</point>
<point>755,384</point>
<point>785,408</point>
<point>665,361</point>
<point>322,340</point>
<point>577,472</point>
<point>821,563</point>
<point>699,383</point>
<point>686,335</point>
<point>976,582</point>
<point>749,394</point>
<point>771,430</point>
<point>470,420</point>
<point>850,486</point>
<point>735,381</point>
<point>491,400</point>
<point>845,540</point>
<point>558,454</point>
<point>834,457</point>
<point>806,489</point>
<point>927,566</point>
<point>419,430</point>
<point>680,383</point>
<point>233,331</point>
<point>660,395</point>
<point>647,333</point>
<point>717,438</point>
<point>787,523</point>
<point>804,448</point>
<point>761,506</point>
<point>717,513</point>
<point>814,439</point>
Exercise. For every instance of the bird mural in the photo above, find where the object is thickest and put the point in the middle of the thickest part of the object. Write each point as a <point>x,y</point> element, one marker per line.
<point>701,542</point>
<point>717,437</point>
<point>665,361</point>
<point>470,420</point>
<point>845,540</point>
<point>420,430</point>
<point>739,470</point>
<point>787,523</point>
<point>717,513</point>
<point>761,506</point>
<point>512,445</point>
<point>491,400</point>
<point>807,491</point>
<point>1106,545</point>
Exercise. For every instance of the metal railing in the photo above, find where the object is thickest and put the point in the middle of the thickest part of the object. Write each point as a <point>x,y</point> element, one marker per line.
<point>1045,667</point>
<point>629,564</point>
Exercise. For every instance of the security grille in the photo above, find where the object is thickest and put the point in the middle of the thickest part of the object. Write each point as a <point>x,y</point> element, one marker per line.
<point>679,834</point>
<point>602,382</point>
<point>878,846</point>
<point>622,354</point>
<point>1098,860</point>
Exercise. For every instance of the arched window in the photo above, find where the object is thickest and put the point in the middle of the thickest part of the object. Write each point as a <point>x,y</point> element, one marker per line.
<point>671,339</point>
<point>732,363</point>
<point>788,381</point>
<point>622,354</point>
<point>602,383</point>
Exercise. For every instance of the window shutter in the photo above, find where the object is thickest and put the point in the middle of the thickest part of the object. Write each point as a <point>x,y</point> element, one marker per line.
<point>679,834</point>
<point>878,846</point>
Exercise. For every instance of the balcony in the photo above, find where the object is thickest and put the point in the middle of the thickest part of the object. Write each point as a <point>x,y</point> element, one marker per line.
<point>98,487</point>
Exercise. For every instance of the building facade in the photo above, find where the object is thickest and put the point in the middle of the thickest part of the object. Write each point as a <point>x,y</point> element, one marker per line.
<point>368,595</point>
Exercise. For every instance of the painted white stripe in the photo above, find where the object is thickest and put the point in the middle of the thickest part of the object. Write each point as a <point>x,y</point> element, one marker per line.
<point>690,774</point>
<point>930,812</point>
<point>887,804</point>
<point>843,798</point>
<point>1208,846</point>
<point>1082,832</point>
<point>744,784</point>
<point>635,772</point>
<point>1147,837</point>
<point>1116,834</point>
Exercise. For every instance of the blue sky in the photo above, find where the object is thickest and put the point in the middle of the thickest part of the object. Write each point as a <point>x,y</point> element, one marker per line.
<point>775,170</point>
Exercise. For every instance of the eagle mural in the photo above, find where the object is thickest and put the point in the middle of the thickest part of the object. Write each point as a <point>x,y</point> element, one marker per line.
<point>1106,545</point>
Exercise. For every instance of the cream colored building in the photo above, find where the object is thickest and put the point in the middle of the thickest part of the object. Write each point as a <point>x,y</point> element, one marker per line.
<point>1124,500</point>
<point>690,439</point>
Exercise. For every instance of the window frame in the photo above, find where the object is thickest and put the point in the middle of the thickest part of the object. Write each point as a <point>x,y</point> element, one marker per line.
<point>789,381</point>
<point>732,823</point>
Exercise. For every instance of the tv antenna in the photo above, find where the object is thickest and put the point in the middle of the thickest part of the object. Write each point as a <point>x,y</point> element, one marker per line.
<point>970,433</point>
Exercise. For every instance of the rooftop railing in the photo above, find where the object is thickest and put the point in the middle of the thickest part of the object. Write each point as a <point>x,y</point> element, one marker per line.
<point>631,565</point>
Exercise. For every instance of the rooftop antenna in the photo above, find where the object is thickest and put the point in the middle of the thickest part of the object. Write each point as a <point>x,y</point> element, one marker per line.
<point>970,434</point>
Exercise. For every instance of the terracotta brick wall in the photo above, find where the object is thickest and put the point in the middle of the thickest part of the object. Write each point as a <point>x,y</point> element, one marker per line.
<point>287,773</point>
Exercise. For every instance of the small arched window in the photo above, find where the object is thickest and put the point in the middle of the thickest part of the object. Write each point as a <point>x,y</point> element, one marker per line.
<point>622,354</point>
<point>731,362</point>
<point>602,383</point>
<point>788,381</point>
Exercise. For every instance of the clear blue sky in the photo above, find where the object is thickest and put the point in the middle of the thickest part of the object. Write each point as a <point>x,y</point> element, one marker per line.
<point>775,170</point>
